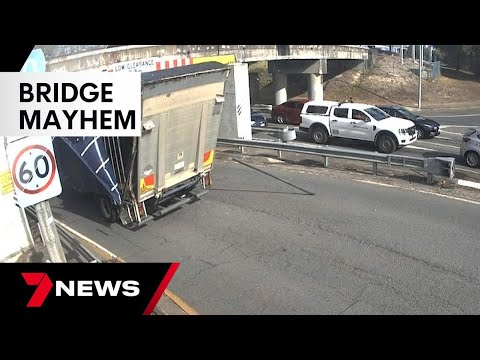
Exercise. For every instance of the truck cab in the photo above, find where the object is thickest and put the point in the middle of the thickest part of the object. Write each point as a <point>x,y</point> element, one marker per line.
<point>325,119</point>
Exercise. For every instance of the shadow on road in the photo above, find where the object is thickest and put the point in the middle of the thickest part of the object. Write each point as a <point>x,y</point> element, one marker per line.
<point>275,177</point>
<point>79,204</point>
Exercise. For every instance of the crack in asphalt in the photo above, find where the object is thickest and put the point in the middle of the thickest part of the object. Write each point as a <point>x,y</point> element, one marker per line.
<point>407,296</point>
<point>469,279</point>
<point>354,301</point>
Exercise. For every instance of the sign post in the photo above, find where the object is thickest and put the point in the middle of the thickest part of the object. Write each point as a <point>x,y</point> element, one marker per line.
<point>40,179</point>
<point>49,232</point>
<point>35,179</point>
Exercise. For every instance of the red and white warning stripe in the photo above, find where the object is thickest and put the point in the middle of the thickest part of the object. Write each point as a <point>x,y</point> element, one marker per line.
<point>148,64</point>
<point>173,63</point>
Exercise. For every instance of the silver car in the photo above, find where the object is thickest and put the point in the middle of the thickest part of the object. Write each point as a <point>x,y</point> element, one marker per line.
<point>470,147</point>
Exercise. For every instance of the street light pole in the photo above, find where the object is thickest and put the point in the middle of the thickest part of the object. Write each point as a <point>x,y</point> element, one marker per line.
<point>401,54</point>
<point>420,65</point>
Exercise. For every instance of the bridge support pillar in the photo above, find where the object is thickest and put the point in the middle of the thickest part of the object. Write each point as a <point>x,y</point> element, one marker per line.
<point>236,115</point>
<point>314,68</point>
<point>280,86</point>
<point>315,87</point>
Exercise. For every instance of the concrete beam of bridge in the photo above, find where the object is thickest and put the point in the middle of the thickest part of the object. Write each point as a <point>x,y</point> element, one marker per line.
<point>83,57</point>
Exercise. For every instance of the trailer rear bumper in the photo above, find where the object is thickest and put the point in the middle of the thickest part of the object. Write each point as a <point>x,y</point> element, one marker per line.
<point>178,202</point>
<point>174,204</point>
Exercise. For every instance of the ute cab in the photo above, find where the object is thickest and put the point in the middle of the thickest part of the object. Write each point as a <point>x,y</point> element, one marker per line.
<point>325,119</point>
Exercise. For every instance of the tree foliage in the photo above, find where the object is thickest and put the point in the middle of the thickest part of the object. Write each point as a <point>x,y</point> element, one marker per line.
<point>458,50</point>
<point>459,55</point>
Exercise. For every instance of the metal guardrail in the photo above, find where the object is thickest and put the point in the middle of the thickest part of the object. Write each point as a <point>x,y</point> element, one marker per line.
<point>438,166</point>
<point>262,108</point>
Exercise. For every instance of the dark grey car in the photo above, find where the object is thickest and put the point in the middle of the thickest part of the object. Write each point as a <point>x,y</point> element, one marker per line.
<point>426,128</point>
<point>470,147</point>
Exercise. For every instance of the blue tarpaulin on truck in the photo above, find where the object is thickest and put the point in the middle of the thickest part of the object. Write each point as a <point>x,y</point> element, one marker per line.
<point>92,152</point>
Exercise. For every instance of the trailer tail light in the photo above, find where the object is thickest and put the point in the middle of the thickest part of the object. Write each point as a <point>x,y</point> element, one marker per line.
<point>208,157</point>
<point>147,183</point>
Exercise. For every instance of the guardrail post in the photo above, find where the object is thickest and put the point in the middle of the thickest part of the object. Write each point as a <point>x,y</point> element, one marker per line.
<point>279,154</point>
<point>326,161</point>
<point>374,168</point>
<point>242,149</point>
<point>430,178</point>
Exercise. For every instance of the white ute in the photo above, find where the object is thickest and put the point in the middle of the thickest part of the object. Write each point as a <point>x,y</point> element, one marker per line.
<point>325,119</point>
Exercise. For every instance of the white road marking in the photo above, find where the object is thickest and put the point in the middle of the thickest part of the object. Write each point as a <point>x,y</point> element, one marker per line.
<point>451,133</point>
<point>449,197</point>
<point>378,183</point>
<point>417,147</point>
<point>459,126</point>
<point>418,190</point>
<point>467,170</point>
<point>451,116</point>
<point>441,137</point>
<point>472,184</point>
<point>437,144</point>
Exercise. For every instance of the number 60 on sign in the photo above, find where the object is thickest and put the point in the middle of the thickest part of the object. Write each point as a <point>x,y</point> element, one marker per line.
<point>34,170</point>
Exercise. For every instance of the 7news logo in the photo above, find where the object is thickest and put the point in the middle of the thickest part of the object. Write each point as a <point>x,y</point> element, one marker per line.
<point>37,290</point>
<point>130,288</point>
<point>83,290</point>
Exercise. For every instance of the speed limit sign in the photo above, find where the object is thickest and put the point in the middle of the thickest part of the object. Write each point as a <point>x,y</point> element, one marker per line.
<point>34,170</point>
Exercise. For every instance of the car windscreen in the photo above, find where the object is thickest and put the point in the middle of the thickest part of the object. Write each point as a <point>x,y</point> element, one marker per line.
<point>376,113</point>
<point>408,115</point>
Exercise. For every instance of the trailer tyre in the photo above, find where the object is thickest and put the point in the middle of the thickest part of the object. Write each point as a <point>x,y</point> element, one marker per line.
<point>107,209</point>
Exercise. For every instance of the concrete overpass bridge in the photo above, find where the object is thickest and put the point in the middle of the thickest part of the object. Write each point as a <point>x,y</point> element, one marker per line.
<point>282,59</point>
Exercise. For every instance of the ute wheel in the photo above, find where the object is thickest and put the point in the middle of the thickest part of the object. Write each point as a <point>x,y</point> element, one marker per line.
<point>386,144</point>
<point>319,135</point>
<point>472,159</point>
<point>107,209</point>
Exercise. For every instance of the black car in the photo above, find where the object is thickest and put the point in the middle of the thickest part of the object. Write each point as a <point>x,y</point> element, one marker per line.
<point>426,128</point>
<point>258,120</point>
